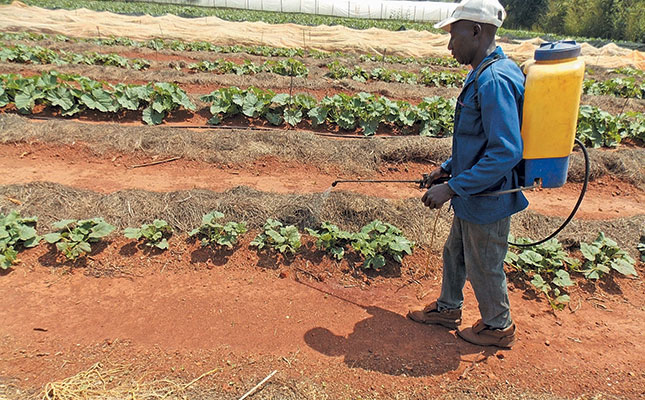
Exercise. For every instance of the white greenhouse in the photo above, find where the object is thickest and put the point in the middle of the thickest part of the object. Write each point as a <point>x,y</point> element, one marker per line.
<point>427,11</point>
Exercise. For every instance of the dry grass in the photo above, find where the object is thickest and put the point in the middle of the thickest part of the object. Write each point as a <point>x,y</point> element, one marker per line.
<point>121,382</point>
<point>116,382</point>
<point>245,146</point>
<point>225,146</point>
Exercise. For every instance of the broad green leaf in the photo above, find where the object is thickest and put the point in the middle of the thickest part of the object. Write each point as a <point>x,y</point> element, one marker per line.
<point>293,117</point>
<point>273,118</point>
<point>63,223</point>
<point>24,102</point>
<point>562,279</point>
<point>624,267</point>
<point>84,247</point>
<point>101,229</point>
<point>132,233</point>
<point>26,232</point>
<point>152,117</point>
<point>52,237</point>
<point>281,99</point>
<point>540,284</point>
<point>318,115</point>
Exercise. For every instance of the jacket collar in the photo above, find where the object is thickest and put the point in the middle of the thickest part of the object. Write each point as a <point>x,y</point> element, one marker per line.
<point>471,75</point>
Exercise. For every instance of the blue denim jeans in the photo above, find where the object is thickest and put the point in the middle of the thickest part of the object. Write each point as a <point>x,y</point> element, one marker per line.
<point>477,252</point>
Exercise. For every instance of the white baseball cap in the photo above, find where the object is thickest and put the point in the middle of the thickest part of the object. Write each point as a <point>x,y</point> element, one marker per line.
<point>482,11</point>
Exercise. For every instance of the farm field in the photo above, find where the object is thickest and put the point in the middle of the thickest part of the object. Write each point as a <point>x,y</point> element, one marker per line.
<point>173,133</point>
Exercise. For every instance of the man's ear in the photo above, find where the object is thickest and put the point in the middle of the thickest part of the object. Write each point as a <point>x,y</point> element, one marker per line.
<point>477,29</point>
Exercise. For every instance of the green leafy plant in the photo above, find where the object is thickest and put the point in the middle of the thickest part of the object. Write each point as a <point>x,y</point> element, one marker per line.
<point>165,98</point>
<point>433,115</point>
<point>73,94</point>
<point>331,239</point>
<point>21,53</point>
<point>213,232</point>
<point>287,67</point>
<point>603,255</point>
<point>546,265</point>
<point>337,70</point>
<point>598,128</point>
<point>153,235</point>
<point>74,237</point>
<point>274,235</point>
<point>641,248</point>
<point>377,240</point>
<point>16,231</point>
<point>620,87</point>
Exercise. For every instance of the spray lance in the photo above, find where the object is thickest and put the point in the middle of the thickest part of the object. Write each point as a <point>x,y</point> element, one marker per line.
<point>553,88</point>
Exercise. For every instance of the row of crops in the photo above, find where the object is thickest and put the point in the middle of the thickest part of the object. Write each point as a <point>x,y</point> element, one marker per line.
<point>264,51</point>
<point>547,266</point>
<point>631,82</point>
<point>433,116</point>
<point>626,87</point>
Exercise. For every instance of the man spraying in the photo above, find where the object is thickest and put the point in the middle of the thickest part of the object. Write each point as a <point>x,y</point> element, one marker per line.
<point>486,148</point>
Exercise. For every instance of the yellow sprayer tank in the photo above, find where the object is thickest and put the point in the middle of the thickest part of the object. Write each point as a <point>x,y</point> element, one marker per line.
<point>551,100</point>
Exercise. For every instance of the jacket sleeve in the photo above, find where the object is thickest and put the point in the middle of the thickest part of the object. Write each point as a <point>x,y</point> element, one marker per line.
<point>501,125</point>
<point>446,166</point>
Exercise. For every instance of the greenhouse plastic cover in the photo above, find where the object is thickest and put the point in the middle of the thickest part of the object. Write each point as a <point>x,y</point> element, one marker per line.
<point>388,9</point>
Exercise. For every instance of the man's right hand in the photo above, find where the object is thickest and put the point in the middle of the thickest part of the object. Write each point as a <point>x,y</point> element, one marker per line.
<point>433,176</point>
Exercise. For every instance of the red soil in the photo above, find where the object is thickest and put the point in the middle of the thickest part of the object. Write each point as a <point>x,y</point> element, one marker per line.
<point>77,166</point>
<point>187,311</point>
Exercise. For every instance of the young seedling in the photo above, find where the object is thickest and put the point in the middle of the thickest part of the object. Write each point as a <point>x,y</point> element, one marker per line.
<point>74,237</point>
<point>331,239</point>
<point>377,240</point>
<point>284,239</point>
<point>153,235</point>
<point>16,231</point>
<point>546,266</point>
<point>602,256</point>
<point>214,233</point>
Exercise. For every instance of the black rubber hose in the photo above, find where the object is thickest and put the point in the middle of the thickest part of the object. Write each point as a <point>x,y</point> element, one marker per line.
<point>575,209</point>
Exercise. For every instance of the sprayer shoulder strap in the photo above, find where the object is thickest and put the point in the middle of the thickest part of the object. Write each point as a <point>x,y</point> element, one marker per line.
<point>481,69</point>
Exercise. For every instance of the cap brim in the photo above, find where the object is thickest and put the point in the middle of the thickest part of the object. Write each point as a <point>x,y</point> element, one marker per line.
<point>445,24</point>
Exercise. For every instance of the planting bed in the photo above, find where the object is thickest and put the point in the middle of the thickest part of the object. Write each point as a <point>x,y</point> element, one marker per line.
<point>130,321</point>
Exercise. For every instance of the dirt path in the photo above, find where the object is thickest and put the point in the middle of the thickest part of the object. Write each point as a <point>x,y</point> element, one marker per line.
<point>180,316</point>
<point>76,166</point>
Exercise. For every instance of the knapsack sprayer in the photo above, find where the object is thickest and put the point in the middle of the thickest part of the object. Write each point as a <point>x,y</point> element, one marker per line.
<point>553,87</point>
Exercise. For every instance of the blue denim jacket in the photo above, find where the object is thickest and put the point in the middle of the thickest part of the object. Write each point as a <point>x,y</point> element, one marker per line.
<point>487,145</point>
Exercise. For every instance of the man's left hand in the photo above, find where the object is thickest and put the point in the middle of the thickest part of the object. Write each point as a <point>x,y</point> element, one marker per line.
<point>437,195</point>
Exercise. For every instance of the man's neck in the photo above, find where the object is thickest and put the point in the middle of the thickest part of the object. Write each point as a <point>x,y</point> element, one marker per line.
<point>483,53</point>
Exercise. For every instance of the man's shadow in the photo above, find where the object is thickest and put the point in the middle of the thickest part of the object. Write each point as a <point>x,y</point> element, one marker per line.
<point>392,344</point>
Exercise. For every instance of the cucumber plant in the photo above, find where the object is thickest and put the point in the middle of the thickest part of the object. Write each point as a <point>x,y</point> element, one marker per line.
<point>16,231</point>
<point>73,94</point>
<point>74,237</point>
<point>153,235</point>
<point>627,87</point>
<point>274,235</point>
<point>602,256</point>
<point>378,240</point>
<point>426,76</point>
<point>433,115</point>
<point>331,239</point>
<point>21,53</point>
<point>213,233</point>
<point>547,266</point>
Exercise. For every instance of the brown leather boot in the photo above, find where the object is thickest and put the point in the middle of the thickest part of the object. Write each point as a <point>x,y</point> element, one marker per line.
<point>480,334</point>
<point>431,315</point>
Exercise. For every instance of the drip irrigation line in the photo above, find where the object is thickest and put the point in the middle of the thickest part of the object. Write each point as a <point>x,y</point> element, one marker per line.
<point>233,127</point>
